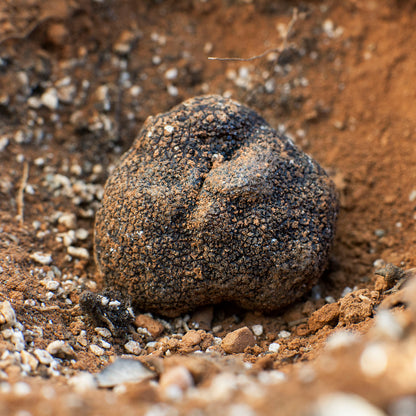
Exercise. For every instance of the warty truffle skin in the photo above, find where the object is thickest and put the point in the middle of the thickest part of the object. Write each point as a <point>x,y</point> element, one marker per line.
<point>211,204</point>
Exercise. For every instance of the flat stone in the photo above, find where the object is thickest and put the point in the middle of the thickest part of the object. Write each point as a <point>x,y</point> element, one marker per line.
<point>237,341</point>
<point>123,370</point>
<point>211,204</point>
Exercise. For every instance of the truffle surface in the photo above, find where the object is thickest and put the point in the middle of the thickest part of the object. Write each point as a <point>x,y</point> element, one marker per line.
<point>211,204</point>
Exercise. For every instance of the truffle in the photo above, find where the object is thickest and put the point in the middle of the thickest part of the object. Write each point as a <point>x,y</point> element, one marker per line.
<point>211,204</point>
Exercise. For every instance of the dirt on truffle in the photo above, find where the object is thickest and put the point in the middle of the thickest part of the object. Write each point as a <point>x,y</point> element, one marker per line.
<point>79,78</point>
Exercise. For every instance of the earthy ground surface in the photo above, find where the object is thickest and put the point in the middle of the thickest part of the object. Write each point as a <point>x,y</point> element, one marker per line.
<point>78,79</point>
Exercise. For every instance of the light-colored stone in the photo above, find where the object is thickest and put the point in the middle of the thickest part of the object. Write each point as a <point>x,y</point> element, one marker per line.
<point>79,252</point>
<point>133,347</point>
<point>29,359</point>
<point>7,314</point>
<point>175,381</point>
<point>96,350</point>
<point>43,356</point>
<point>42,258</point>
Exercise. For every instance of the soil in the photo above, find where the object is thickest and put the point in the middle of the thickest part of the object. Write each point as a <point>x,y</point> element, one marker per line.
<point>78,79</point>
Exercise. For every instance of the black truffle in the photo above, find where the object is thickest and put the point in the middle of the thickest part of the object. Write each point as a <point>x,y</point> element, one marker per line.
<point>211,204</point>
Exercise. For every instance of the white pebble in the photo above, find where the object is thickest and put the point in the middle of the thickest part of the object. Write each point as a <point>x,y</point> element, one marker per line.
<point>412,196</point>
<point>123,370</point>
<point>173,91</point>
<point>43,356</point>
<point>96,350</point>
<point>284,334</point>
<point>69,220</point>
<point>175,381</point>
<point>7,314</point>
<point>135,90</point>
<point>18,340</point>
<point>240,409</point>
<point>171,73</point>
<point>271,377</point>
<point>81,234</point>
<point>104,332</point>
<point>343,404</point>
<point>50,99</point>
<point>222,387</point>
<point>274,347</point>
<point>132,347</point>
<point>257,330</point>
<point>55,347</point>
<point>169,129</point>
<point>52,285</point>
<point>4,142</point>
<point>29,359</point>
<point>21,389</point>
<point>346,291</point>
<point>341,339</point>
<point>373,360</point>
<point>79,252</point>
<point>41,258</point>
<point>83,382</point>
<point>105,344</point>
<point>386,324</point>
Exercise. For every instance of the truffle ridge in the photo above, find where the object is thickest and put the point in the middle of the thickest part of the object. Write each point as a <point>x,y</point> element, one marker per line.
<point>211,204</point>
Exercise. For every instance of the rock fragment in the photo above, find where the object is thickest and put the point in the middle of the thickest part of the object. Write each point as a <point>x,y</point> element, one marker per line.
<point>327,315</point>
<point>123,371</point>
<point>211,204</point>
<point>237,341</point>
<point>154,327</point>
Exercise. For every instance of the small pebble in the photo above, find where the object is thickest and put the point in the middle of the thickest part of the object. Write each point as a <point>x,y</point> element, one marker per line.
<point>60,349</point>
<point>96,350</point>
<point>284,334</point>
<point>403,406</point>
<point>7,314</point>
<point>43,356</point>
<point>341,339</point>
<point>257,330</point>
<point>81,234</point>
<point>69,220</point>
<point>52,285</point>
<point>104,332</point>
<point>274,347</point>
<point>83,382</point>
<point>21,389</point>
<point>191,338</point>
<point>343,404</point>
<point>387,325</point>
<point>123,371</point>
<point>237,341</point>
<point>271,377</point>
<point>175,381</point>
<point>240,409</point>
<point>105,344</point>
<point>55,346</point>
<point>79,252</point>
<point>154,327</point>
<point>29,359</point>
<point>41,258</point>
<point>133,347</point>
<point>50,99</point>
<point>373,360</point>
<point>171,74</point>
